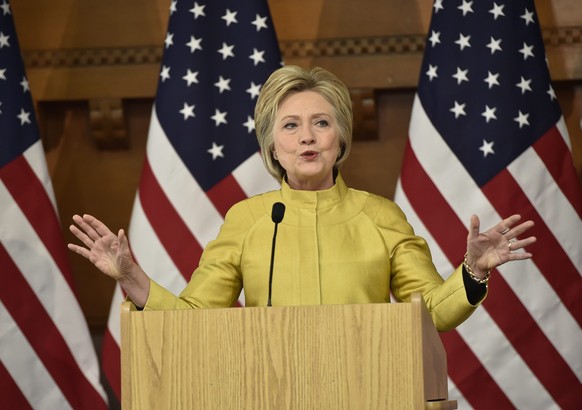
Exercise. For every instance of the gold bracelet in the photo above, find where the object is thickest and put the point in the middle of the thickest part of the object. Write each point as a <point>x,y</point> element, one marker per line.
<point>472,275</point>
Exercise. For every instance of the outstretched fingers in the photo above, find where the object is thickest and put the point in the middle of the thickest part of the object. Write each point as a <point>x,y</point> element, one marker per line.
<point>521,228</point>
<point>88,233</point>
<point>515,245</point>
<point>99,227</point>
<point>83,235</point>
<point>92,226</point>
<point>474,227</point>
<point>88,230</point>
<point>505,227</point>
<point>85,252</point>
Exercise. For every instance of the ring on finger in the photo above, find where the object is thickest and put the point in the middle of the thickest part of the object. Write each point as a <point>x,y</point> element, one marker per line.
<point>503,232</point>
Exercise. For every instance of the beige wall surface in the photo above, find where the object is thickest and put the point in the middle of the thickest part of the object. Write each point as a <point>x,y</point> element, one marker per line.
<point>93,68</point>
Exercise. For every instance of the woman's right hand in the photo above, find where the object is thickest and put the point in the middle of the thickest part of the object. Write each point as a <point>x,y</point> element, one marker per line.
<point>110,253</point>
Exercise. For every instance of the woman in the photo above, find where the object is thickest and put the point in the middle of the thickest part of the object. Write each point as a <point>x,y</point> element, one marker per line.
<point>335,245</point>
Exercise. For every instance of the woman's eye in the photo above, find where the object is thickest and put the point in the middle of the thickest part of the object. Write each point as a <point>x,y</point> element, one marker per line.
<point>290,125</point>
<point>322,123</point>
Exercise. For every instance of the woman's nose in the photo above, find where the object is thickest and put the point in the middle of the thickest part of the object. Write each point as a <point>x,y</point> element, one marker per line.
<point>307,137</point>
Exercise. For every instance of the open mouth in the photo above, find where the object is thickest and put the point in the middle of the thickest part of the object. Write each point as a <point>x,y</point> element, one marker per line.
<point>309,154</point>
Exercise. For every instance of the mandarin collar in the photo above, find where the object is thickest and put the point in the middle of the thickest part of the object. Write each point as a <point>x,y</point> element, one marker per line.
<point>314,199</point>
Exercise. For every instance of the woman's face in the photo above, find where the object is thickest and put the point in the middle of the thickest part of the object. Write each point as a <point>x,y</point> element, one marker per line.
<point>306,138</point>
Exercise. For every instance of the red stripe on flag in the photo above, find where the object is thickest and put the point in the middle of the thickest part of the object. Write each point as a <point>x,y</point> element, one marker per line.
<point>465,369</point>
<point>554,152</point>
<point>547,250</point>
<point>44,337</point>
<point>12,397</point>
<point>226,193</point>
<point>32,199</point>
<point>111,356</point>
<point>432,208</point>
<point>529,340</point>
<point>180,244</point>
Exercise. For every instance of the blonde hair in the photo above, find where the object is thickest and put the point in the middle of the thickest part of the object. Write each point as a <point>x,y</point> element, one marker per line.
<point>292,79</point>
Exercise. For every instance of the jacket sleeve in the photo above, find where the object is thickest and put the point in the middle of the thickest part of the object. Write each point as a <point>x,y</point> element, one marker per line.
<point>217,282</point>
<point>412,271</point>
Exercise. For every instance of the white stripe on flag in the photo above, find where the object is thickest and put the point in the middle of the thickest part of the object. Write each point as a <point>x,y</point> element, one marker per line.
<point>114,320</point>
<point>44,393</point>
<point>150,253</point>
<point>440,261</point>
<point>251,181</point>
<point>553,207</point>
<point>561,125</point>
<point>180,187</point>
<point>36,158</point>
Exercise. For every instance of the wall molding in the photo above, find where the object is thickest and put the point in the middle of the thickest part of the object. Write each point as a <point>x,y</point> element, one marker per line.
<point>290,49</point>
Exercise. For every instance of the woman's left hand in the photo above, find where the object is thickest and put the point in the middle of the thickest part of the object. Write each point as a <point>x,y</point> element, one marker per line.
<point>489,249</point>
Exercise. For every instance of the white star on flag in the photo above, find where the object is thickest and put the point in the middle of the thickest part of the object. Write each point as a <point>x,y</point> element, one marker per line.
<point>219,117</point>
<point>487,148</point>
<point>230,17</point>
<point>216,151</point>
<point>260,22</point>
<point>226,51</point>
<point>463,41</point>
<point>223,84</point>
<point>191,77</point>
<point>497,11</point>
<point>194,44</point>
<point>187,111</point>
<point>197,10</point>
<point>24,117</point>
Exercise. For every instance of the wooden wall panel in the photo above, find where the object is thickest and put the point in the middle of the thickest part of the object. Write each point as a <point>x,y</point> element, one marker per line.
<point>79,49</point>
<point>93,68</point>
<point>89,180</point>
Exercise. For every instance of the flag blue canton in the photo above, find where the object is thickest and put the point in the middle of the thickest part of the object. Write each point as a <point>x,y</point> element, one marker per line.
<point>216,57</point>
<point>18,127</point>
<point>487,89</point>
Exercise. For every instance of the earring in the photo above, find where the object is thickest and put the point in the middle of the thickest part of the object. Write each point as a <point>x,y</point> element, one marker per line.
<point>275,157</point>
<point>339,152</point>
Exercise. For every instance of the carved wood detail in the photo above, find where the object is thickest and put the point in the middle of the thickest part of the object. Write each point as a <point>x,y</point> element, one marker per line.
<point>365,126</point>
<point>108,125</point>
<point>91,57</point>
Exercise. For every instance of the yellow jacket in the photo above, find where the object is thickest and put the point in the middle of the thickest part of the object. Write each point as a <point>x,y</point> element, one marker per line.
<point>337,246</point>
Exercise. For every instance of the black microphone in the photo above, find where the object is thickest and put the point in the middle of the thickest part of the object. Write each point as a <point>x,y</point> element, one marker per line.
<point>276,216</point>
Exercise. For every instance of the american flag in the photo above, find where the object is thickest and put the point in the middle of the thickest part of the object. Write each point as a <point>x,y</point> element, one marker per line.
<point>487,136</point>
<point>48,359</point>
<point>202,154</point>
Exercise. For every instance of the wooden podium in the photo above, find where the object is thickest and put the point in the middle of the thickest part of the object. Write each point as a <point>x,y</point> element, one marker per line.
<point>375,356</point>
